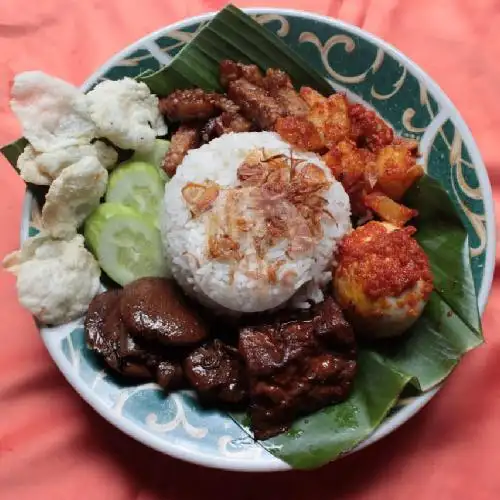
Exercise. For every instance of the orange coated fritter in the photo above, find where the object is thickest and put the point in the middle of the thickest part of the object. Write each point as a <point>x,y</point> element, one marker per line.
<point>354,168</point>
<point>299,132</point>
<point>331,119</point>
<point>396,170</point>
<point>389,210</point>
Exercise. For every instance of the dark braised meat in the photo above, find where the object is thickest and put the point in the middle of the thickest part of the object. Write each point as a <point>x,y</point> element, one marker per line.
<point>153,309</point>
<point>184,139</point>
<point>297,367</point>
<point>194,104</point>
<point>231,70</point>
<point>279,85</point>
<point>368,129</point>
<point>169,374</point>
<point>216,371</point>
<point>224,124</point>
<point>106,335</point>
<point>255,103</point>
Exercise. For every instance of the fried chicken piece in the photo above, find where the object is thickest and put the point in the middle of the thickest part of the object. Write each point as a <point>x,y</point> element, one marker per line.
<point>224,124</point>
<point>279,85</point>
<point>331,119</point>
<point>231,71</point>
<point>330,115</point>
<point>312,97</point>
<point>182,141</point>
<point>255,102</point>
<point>389,210</point>
<point>194,104</point>
<point>299,132</point>
<point>368,129</point>
<point>410,144</point>
<point>396,170</point>
<point>355,169</point>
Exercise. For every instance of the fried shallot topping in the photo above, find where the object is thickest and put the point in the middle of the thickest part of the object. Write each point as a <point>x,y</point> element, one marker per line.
<point>200,197</point>
<point>299,185</point>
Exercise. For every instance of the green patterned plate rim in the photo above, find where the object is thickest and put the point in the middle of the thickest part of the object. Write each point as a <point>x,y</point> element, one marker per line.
<point>370,71</point>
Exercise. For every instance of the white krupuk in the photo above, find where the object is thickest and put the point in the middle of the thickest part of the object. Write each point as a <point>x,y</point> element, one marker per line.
<point>53,113</point>
<point>126,112</point>
<point>73,196</point>
<point>44,168</point>
<point>56,279</point>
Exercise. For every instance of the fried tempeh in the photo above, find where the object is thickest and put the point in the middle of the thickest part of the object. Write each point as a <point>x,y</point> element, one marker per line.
<point>195,104</point>
<point>255,102</point>
<point>279,85</point>
<point>231,71</point>
<point>224,124</point>
<point>182,141</point>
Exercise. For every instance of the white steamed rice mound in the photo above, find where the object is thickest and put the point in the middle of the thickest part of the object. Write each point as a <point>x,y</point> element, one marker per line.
<point>243,285</point>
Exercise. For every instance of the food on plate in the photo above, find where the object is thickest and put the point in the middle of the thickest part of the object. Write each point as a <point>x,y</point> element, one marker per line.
<point>153,309</point>
<point>248,209</point>
<point>396,169</point>
<point>56,279</point>
<point>389,210</point>
<point>248,221</point>
<point>185,138</point>
<point>107,335</point>
<point>234,70</point>
<point>138,185</point>
<point>255,102</point>
<point>73,196</point>
<point>330,116</point>
<point>225,123</point>
<point>216,371</point>
<point>297,366</point>
<point>382,279</point>
<point>126,112</point>
<point>155,156</point>
<point>53,113</point>
<point>126,243</point>
<point>279,85</point>
<point>368,129</point>
<point>194,105</point>
<point>44,168</point>
<point>300,132</point>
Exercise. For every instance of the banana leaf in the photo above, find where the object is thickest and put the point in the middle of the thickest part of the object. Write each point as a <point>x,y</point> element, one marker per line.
<point>450,324</point>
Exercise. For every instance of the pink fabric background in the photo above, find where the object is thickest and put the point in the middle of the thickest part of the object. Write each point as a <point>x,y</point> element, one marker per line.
<point>53,446</point>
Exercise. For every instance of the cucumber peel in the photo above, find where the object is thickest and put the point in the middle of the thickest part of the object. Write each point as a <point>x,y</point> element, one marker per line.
<point>138,185</point>
<point>154,156</point>
<point>126,243</point>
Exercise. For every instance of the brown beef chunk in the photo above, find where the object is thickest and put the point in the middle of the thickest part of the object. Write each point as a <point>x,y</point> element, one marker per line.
<point>297,367</point>
<point>215,370</point>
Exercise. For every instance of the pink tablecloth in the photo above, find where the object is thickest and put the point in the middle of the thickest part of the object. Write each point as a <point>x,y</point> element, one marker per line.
<point>53,446</point>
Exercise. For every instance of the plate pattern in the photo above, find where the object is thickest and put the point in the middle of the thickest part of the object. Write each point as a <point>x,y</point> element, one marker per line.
<point>361,69</point>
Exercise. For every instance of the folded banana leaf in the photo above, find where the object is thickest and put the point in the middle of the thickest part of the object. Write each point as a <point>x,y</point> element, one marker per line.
<point>450,325</point>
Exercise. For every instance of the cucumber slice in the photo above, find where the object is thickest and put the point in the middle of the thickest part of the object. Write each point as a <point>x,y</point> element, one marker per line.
<point>137,185</point>
<point>154,156</point>
<point>126,244</point>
